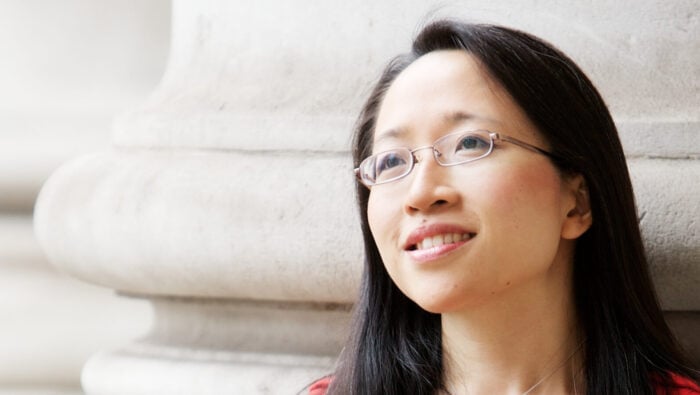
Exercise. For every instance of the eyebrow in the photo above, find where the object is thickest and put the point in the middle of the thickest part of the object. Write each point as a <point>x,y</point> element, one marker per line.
<point>459,116</point>
<point>449,118</point>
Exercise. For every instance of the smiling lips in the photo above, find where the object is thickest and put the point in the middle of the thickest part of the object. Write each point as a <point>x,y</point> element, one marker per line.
<point>434,241</point>
<point>439,240</point>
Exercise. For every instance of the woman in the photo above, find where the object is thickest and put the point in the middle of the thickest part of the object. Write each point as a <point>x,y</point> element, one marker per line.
<point>503,254</point>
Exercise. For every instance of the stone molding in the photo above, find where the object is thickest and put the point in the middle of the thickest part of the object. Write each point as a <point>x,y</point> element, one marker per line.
<point>224,347</point>
<point>212,224</point>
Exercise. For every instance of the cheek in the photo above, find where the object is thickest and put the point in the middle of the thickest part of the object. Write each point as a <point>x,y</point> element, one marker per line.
<point>523,209</point>
<point>383,218</point>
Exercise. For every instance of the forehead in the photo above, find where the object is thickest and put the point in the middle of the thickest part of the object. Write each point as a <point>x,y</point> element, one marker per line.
<point>428,94</point>
<point>437,68</point>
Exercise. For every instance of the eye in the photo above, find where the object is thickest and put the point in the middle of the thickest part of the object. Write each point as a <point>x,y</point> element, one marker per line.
<point>389,161</point>
<point>470,144</point>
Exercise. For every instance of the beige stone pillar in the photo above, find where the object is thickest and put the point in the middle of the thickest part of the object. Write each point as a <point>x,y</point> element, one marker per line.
<point>226,200</point>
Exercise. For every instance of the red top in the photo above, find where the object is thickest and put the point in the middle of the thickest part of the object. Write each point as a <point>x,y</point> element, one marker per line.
<point>320,387</point>
<point>682,386</point>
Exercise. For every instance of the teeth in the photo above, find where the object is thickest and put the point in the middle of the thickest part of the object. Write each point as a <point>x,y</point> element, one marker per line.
<point>438,240</point>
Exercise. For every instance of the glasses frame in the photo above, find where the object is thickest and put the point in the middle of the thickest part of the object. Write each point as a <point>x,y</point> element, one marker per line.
<point>494,138</point>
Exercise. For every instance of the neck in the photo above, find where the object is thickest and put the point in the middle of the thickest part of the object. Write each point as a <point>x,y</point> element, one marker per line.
<point>527,337</point>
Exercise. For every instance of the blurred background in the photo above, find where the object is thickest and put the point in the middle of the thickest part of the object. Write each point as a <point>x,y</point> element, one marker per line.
<point>66,69</point>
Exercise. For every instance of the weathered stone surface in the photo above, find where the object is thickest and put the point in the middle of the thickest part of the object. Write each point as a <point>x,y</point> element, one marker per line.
<point>667,193</point>
<point>224,347</point>
<point>294,77</point>
<point>659,140</point>
<point>686,326</point>
<point>198,223</point>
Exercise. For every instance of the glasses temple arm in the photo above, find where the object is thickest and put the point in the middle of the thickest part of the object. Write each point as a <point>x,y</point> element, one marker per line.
<point>525,145</point>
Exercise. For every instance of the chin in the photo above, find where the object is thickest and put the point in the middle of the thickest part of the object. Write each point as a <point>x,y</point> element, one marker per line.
<point>439,305</point>
<point>448,303</point>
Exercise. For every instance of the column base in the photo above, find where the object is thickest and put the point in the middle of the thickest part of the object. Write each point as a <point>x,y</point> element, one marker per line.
<point>223,346</point>
<point>149,370</point>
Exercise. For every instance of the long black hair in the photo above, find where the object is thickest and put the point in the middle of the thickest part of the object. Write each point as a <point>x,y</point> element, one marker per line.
<point>395,347</point>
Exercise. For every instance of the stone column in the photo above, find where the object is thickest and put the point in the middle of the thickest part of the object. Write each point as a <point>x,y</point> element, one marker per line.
<point>226,200</point>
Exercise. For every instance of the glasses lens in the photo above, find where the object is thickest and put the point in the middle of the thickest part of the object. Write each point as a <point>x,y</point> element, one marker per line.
<point>463,147</point>
<point>386,166</point>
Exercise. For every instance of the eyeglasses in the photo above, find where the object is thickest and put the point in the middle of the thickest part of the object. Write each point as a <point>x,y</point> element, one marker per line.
<point>450,150</point>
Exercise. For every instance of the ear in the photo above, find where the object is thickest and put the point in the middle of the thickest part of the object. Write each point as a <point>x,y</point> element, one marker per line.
<point>577,208</point>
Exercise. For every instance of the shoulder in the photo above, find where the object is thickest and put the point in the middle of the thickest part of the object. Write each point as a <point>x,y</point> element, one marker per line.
<point>320,387</point>
<point>678,385</point>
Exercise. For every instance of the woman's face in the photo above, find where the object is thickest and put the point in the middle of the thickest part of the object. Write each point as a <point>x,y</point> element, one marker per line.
<point>456,236</point>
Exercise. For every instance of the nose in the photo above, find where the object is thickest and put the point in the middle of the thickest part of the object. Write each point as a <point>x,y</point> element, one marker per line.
<point>430,186</point>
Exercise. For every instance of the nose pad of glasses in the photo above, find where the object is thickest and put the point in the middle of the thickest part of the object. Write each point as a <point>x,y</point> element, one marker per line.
<point>417,157</point>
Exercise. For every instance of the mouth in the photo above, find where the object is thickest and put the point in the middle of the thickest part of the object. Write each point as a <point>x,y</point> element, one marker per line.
<point>439,240</point>
<point>431,242</point>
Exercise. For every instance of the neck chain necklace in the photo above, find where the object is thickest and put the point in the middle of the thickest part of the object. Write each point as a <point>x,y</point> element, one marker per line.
<point>555,370</point>
<point>542,380</point>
